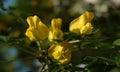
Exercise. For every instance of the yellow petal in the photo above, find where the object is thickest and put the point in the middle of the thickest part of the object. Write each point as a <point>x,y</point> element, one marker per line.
<point>79,22</point>
<point>55,32</point>
<point>60,52</point>
<point>30,21</point>
<point>30,35</point>
<point>55,35</point>
<point>43,31</point>
<point>83,30</point>
<point>56,23</point>
<point>89,16</point>
<point>90,28</point>
<point>39,31</point>
<point>86,29</point>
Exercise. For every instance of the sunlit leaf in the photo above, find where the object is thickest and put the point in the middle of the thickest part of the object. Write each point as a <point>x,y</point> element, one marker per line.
<point>117,42</point>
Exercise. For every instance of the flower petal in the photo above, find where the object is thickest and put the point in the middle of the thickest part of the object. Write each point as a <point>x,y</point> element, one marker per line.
<point>55,32</point>
<point>56,23</point>
<point>78,25</point>
<point>30,21</point>
<point>60,52</point>
<point>37,30</point>
<point>90,28</point>
<point>55,35</point>
<point>29,34</point>
<point>86,29</point>
<point>89,16</point>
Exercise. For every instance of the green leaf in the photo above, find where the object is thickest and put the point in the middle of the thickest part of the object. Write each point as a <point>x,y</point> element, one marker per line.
<point>95,31</point>
<point>117,42</point>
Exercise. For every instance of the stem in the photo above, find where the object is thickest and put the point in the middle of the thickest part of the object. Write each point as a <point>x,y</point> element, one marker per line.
<point>31,53</point>
<point>39,43</point>
<point>41,49</point>
<point>43,67</point>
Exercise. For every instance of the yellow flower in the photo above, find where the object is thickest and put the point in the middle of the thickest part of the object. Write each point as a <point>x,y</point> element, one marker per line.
<point>37,30</point>
<point>60,52</point>
<point>82,25</point>
<point>55,32</point>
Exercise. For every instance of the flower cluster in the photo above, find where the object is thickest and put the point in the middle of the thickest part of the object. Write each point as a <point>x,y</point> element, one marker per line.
<point>61,51</point>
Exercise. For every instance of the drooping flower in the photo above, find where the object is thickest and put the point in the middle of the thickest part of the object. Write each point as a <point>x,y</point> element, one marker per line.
<point>37,30</point>
<point>55,32</point>
<point>60,52</point>
<point>82,25</point>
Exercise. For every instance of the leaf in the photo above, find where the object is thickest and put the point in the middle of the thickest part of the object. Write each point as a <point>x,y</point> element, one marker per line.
<point>117,42</point>
<point>3,38</point>
<point>95,31</point>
